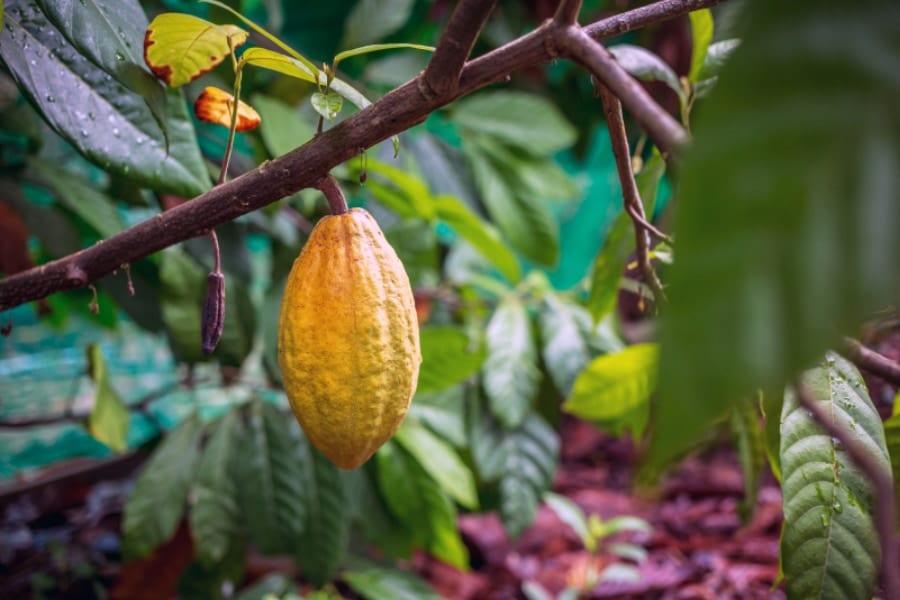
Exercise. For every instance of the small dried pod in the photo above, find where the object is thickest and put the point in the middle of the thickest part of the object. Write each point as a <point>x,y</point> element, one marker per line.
<point>213,321</point>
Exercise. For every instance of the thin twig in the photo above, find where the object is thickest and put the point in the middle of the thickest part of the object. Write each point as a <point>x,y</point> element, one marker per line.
<point>395,112</point>
<point>630,196</point>
<point>871,361</point>
<point>885,517</point>
<point>567,12</point>
<point>441,76</point>
<point>572,42</point>
<point>650,227</point>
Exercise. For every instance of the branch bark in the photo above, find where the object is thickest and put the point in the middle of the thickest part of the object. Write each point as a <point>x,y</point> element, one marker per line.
<point>441,76</point>
<point>871,361</point>
<point>662,128</point>
<point>567,12</point>
<point>885,517</point>
<point>630,195</point>
<point>395,112</point>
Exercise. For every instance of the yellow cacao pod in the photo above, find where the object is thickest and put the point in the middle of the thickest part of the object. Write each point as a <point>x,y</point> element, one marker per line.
<point>348,338</point>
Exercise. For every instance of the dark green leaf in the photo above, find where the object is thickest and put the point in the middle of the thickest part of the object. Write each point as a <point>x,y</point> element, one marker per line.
<point>772,404</point>
<point>373,20</point>
<point>214,516</point>
<point>614,390</point>
<point>109,32</point>
<point>565,349</point>
<point>209,582</point>
<point>440,461</point>
<point>523,120</point>
<point>271,470</point>
<point>417,246</point>
<point>748,438</point>
<point>382,583</point>
<point>486,436</point>
<point>275,584</point>
<point>531,454</point>
<point>716,57</point>
<point>104,120</point>
<point>448,358</point>
<point>481,235</point>
<point>323,545</point>
<point>418,501</point>
<point>181,299</point>
<point>510,375</point>
<point>79,196</point>
<point>379,527</point>
<point>788,212</point>
<point>281,127</point>
<point>523,219</point>
<point>829,546</point>
<point>609,267</point>
<point>109,418</point>
<point>156,503</point>
<point>240,325</point>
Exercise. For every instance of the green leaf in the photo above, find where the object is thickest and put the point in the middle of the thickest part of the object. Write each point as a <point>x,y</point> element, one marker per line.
<point>772,404</point>
<point>440,461</point>
<point>442,412</point>
<point>79,196</point>
<point>278,62</point>
<point>374,20</point>
<point>748,438</point>
<point>565,350</point>
<point>276,584</point>
<point>322,547</point>
<point>524,220</point>
<point>281,127</point>
<point>214,518</point>
<point>609,267</point>
<point>106,32</point>
<point>416,244</point>
<point>179,48</point>
<point>829,546</point>
<point>530,455</point>
<point>378,526</point>
<point>200,581</point>
<point>702,34</point>
<point>411,189</point>
<point>418,501</point>
<point>486,437</point>
<point>571,514</point>
<point>448,358</point>
<point>646,66</point>
<point>239,331</point>
<point>271,471</point>
<point>382,583</point>
<point>328,105</point>
<point>109,418</point>
<point>523,120</point>
<point>510,374</point>
<point>614,390</point>
<point>107,122</point>
<point>783,246</point>
<point>156,504</point>
<point>181,299</point>
<point>369,48</point>
<point>717,55</point>
<point>481,235</point>
<point>892,441</point>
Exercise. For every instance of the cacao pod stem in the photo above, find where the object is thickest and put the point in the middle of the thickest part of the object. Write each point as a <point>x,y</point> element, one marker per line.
<point>328,185</point>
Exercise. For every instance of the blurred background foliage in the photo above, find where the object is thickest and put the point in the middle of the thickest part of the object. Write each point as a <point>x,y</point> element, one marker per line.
<point>505,208</point>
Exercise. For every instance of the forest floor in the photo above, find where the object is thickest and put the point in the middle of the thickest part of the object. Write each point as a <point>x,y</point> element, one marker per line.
<point>62,535</point>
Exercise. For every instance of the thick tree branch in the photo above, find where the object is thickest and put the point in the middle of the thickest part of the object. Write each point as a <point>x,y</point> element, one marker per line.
<point>871,361</point>
<point>630,196</point>
<point>885,517</point>
<point>397,111</point>
<point>441,76</point>
<point>662,128</point>
<point>567,12</point>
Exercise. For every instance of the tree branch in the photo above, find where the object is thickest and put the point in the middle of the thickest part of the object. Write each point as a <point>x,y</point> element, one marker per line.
<point>441,76</point>
<point>630,195</point>
<point>871,361</point>
<point>395,112</point>
<point>885,517</point>
<point>662,128</point>
<point>567,12</point>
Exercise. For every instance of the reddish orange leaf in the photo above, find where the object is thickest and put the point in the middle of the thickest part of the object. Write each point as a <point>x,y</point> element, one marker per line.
<point>215,106</point>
